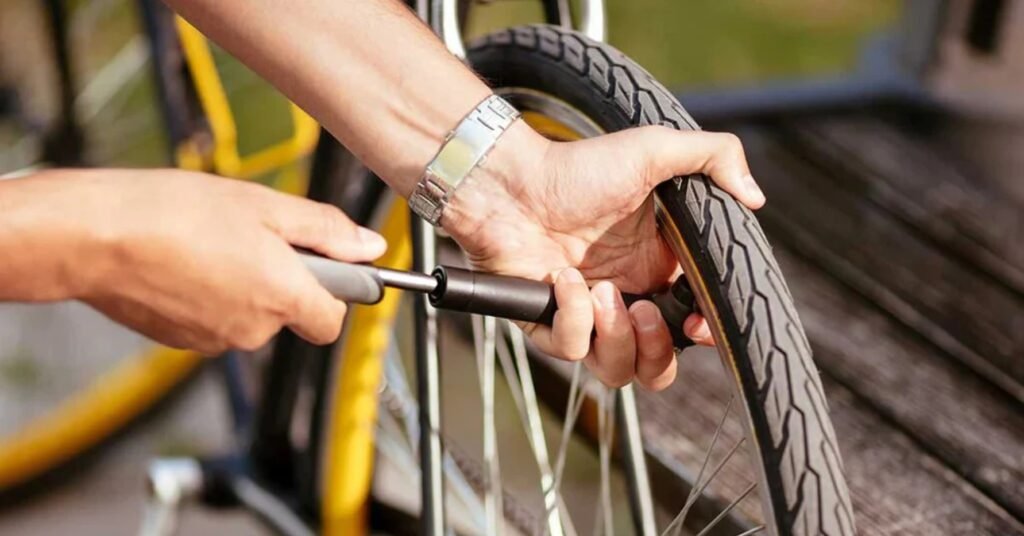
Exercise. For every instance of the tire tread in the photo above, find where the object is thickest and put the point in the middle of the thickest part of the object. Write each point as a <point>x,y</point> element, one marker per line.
<point>803,448</point>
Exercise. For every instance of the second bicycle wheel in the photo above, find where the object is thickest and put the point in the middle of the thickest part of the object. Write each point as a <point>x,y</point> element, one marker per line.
<point>566,84</point>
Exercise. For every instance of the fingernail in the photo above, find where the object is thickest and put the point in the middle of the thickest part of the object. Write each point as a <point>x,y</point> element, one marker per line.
<point>646,317</point>
<point>572,275</point>
<point>753,189</point>
<point>370,238</point>
<point>703,332</point>
<point>605,293</point>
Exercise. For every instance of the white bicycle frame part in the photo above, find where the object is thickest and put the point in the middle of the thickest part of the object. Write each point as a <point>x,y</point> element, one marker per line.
<point>443,17</point>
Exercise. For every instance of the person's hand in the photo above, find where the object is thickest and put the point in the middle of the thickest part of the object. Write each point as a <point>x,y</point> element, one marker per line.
<point>196,261</point>
<point>582,211</point>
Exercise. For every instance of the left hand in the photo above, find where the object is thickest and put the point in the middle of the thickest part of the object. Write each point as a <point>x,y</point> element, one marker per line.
<point>582,211</point>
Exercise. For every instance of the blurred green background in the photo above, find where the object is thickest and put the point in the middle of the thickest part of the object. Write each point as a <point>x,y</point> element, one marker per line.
<point>685,44</point>
<point>708,43</point>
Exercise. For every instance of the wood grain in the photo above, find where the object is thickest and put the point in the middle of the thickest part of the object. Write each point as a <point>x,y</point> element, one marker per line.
<point>969,316</point>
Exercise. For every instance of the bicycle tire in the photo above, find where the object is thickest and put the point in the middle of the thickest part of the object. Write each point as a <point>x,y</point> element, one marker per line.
<point>728,263</point>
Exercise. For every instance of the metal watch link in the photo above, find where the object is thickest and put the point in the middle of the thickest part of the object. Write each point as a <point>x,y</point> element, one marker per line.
<point>462,151</point>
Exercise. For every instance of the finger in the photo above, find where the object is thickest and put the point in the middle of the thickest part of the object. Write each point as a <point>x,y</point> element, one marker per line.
<point>696,328</point>
<point>320,227</point>
<point>316,316</point>
<point>719,155</point>
<point>569,334</point>
<point>655,357</point>
<point>613,359</point>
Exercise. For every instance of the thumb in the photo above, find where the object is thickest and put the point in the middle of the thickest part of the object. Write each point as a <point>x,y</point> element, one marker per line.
<point>719,155</point>
<point>321,227</point>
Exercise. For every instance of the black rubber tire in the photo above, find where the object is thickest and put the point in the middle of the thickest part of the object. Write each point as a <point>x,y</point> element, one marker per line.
<point>745,296</point>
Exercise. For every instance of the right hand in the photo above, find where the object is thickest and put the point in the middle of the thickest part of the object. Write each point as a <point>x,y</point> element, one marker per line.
<point>580,214</point>
<point>201,262</point>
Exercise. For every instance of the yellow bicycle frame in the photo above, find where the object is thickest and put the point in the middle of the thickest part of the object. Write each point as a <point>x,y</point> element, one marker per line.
<point>121,394</point>
<point>225,158</point>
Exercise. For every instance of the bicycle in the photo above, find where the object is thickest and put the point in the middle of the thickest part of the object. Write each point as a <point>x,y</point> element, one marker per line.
<point>568,85</point>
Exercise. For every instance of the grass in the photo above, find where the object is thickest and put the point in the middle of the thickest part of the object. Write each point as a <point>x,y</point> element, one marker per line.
<point>725,42</point>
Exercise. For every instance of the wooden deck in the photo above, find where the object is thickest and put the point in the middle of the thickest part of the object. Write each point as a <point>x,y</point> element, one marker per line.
<point>906,261</point>
<point>901,242</point>
<point>900,233</point>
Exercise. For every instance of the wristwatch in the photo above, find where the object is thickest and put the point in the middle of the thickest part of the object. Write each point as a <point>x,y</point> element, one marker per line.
<point>463,149</point>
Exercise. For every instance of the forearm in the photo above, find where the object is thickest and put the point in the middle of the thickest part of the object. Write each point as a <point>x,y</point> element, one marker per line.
<point>373,74</point>
<point>46,252</point>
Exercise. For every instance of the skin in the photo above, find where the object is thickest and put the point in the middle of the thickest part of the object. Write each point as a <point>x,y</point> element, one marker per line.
<point>176,255</point>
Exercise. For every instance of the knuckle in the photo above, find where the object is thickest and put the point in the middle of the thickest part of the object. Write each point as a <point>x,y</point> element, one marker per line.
<point>661,130</point>
<point>332,220</point>
<point>730,140</point>
<point>250,340</point>
<point>617,328</point>
<point>658,383</point>
<point>329,334</point>
<point>252,192</point>
<point>617,380</point>
<point>574,350</point>
<point>655,348</point>
<point>287,291</point>
<point>732,144</point>
<point>287,299</point>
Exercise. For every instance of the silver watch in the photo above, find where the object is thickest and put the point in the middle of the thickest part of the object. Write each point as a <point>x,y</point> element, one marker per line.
<point>462,150</point>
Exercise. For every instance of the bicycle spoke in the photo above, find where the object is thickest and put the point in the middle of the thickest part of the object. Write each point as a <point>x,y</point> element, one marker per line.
<point>492,483</point>
<point>574,404</point>
<point>606,431</point>
<point>395,382</point>
<point>642,503</point>
<point>754,530</point>
<point>700,490</point>
<point>728,509</point>
<point>577,395</point>
<point>526,400</point>
<point>398,398</point>
<point>677,524</point>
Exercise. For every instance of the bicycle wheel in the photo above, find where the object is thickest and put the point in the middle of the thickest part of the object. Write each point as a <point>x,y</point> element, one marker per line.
<point>97,393</point>
<point>570,81</point>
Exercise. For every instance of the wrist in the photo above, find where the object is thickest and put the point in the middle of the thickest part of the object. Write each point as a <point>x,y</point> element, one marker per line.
<point>53,249</point>
<point>496,185</point>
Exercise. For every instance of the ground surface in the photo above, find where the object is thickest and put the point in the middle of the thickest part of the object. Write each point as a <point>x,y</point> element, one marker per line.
<point>62,346</point>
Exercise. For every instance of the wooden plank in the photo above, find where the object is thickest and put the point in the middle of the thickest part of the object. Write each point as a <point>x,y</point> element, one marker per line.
<point>897,489</point>
<point>956,416</point>
<point>968,316</point>
<point>932,191</point>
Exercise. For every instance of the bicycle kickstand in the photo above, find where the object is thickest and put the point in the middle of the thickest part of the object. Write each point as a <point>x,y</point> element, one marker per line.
<point>169,482</point>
